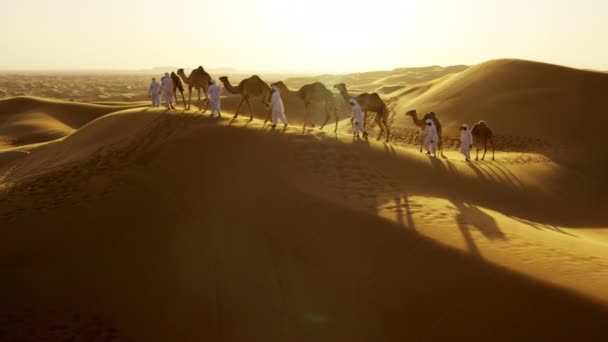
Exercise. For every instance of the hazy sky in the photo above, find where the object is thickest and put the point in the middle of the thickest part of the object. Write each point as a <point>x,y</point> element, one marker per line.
<point>302,35</point>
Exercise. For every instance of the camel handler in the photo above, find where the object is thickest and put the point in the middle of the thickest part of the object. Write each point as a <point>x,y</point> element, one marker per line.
<point>213,93</point>
<point>166,85</point>
<point>177,85</point>
<point>154,93</point>
<point>466,141</point>
<point>431,140</point>
<point>358,118</point>
<point>277,107</point>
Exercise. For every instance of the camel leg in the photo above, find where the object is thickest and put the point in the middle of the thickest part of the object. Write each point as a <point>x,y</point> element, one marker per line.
<point>268,115</point>
<point>326,117</point>
<point>380,126</point>
<point>268,111</point>
<point>493,149</point>
<point>476,152</point>
<point>440,146</point>
<point>336,117</point>
<point>485,149</point>
<point>388,130</point>
<point>205,91</point>
<point>183,98</point>
<point>421,140</point>
<point>305,115</point>
<point>206,104</point>
<point>200,106</point>
<point>189,96</point>
<point>250,110</point>
<point>239,108</point>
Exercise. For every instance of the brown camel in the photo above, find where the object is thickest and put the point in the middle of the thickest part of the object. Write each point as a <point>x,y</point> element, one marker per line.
<point>314,93</point>
<point>482,134</point>
<point>422,123</point>
<point>198,79</point>
<point>177,85</point>
<point>249,88</point>
<point>370,103</point>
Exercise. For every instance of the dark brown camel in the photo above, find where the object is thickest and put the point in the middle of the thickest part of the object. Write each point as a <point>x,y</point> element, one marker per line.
<point>249,88</point>
<point>177,85</point>
<point>198,79</point>
<point>422,123</point>
<point>370,103</point>
<point>482,134</point>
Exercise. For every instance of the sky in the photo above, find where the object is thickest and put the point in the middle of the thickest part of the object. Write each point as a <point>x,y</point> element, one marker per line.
<point>314,36</point>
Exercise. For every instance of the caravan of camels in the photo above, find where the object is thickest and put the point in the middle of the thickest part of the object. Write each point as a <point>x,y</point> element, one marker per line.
<point>317,94</point>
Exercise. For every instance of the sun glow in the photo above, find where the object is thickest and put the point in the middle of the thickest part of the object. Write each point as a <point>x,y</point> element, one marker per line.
<point>313,35</point>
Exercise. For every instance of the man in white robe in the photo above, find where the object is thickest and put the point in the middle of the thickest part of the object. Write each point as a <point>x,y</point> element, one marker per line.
<point>466,141</point>
<point>213,93</point>
<point>277,107</point>
<point>431,140</point>
<point>154,93</point>
<point>166,84</point>
<point>358,118</point>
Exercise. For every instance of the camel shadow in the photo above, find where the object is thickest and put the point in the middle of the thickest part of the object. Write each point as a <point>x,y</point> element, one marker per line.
<point>471,216</point>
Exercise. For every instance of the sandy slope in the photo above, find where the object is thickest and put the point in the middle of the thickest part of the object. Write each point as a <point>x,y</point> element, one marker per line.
<point>29,120</point>
<point>558,105</point>
<point>152,226</point>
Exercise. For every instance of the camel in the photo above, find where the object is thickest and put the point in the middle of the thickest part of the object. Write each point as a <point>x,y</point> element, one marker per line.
<point>177,84</point>
<point>370,103</point>
<point>314,93</point>
<point>198,79</point>
<point>249,88</point>
<point>482,134</point>
<point>422,123</point>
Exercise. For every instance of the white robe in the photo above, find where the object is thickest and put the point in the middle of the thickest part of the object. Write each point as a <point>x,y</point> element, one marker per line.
<point>278,109</point>
<point>358,119</point>
<point>154,94</point>
<point>431,140</point>
<point>167,90</point>
<point>214,98</point>
<point>466,140</point>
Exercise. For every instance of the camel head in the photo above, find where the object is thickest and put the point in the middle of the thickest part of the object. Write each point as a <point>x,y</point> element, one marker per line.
<point>223,79</point>
<point>412,113</point>
<point>280,85</point>
<point>340,86</point>
<point>180,71</point>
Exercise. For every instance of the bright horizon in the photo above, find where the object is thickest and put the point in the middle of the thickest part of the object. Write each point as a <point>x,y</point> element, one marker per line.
<point>305,37</point>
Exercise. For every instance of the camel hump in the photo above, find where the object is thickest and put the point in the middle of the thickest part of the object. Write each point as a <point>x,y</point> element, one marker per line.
<point>482,123</point>
<point>200,67</point>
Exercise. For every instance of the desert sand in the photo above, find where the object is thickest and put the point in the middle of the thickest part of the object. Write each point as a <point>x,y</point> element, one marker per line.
<point>126,223</point>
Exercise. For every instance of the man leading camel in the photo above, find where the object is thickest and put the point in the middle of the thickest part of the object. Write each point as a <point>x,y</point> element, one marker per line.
<point>213,93</point>
<point>466,141</point>
<point>431,139</point>
<point>166,84</point>
<point>359,118</point>
<point>277,107</point>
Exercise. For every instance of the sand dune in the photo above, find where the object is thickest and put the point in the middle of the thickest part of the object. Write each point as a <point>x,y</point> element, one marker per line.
<point>28,120</point>
<point>126,223</point>
<point>154,226</point>
<point>558,105</point>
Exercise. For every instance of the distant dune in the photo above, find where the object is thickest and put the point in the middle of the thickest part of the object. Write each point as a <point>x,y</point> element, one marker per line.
<point>518,98</point>
<point>28,120</point>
